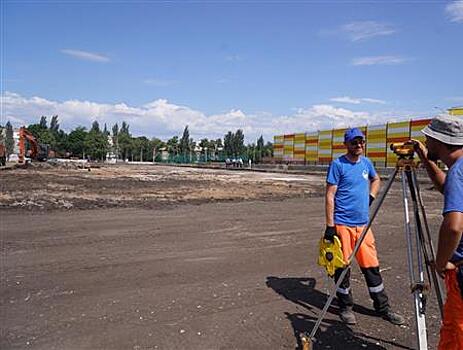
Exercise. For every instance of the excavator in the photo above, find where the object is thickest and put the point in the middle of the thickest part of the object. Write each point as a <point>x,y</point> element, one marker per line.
<point>30,147</point>
<point>2,154</point>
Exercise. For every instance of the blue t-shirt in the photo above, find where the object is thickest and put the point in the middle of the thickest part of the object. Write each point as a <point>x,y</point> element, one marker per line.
<point>453,198</point>
<point>352,195</point>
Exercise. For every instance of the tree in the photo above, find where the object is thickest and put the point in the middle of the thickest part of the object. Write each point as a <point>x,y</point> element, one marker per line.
<point>115,130</point>
<point>125,141</point>
<point>61,142</point>
<point>155,145</point>
<point>36,130</point>
<point>42,133</point>
<point>251,152</point>
<point>268,149</point>
<point>9,141</point>
<point>140,147</point>
<point>43,122</point>
<point>205,147</point>
<point>125,128</point>
<point>172,145</point>
<point>96,143</point>
<point>95,127</point>
<point>185,143</point>
<point>238,143</point>
<point>218,148</point>
<point>259,149</point>
<point>76,140</point>
<point>228,144</point>
<point>53,136</point>
<point>54,124</point>
<point>191,148</point>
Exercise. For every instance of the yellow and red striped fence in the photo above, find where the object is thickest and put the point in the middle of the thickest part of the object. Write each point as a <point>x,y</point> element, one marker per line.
<point>321,147</point>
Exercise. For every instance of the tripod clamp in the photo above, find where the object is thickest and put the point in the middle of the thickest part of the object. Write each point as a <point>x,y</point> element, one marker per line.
<point>422,289</point>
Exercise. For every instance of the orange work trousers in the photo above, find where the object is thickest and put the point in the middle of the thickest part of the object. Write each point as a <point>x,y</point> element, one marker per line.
<point>366,255</point>
<point>451,332</point>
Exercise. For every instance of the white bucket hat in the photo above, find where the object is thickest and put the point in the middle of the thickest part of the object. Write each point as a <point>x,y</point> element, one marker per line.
<point>446,128</point>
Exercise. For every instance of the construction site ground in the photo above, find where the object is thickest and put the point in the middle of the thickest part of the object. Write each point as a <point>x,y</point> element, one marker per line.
<point>158,257</point>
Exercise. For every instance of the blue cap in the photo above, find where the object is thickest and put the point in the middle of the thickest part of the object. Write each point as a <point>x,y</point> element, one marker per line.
<point>351,134</point>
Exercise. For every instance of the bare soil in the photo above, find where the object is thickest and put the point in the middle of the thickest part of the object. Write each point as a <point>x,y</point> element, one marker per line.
<point>152,257</point>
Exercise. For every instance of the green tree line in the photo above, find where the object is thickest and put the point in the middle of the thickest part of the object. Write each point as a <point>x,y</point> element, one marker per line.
<point>97,143</point>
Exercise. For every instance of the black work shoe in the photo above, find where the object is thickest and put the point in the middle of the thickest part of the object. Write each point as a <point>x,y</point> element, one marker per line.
<point>393,317</point>
<point>347,316</point>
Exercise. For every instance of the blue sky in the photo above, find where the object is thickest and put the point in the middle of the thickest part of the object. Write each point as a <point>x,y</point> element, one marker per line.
<point>268,67</point>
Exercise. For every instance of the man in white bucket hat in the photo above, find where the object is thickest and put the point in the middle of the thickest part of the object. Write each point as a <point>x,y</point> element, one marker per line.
<point>444,141</point>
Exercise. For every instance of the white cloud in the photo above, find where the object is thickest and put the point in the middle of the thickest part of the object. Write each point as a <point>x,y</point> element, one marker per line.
<point>85,55</point>
<point>234,58</point>
<point>455,11</point>
<point>159,82</point>
<point>373,60</point>
<point>356,101</point>
<point>163,119</point>
<point>373,100</point>
<point>364,30</point>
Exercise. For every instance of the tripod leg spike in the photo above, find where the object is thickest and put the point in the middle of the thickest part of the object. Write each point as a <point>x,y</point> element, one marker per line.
<point>306,342</point>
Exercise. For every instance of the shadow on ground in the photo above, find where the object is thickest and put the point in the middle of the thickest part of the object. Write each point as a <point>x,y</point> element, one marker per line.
<point>332,334</point>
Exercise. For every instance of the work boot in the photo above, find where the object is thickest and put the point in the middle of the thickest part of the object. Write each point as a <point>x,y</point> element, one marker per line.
<point>347,316</point>
<point>393,317</point>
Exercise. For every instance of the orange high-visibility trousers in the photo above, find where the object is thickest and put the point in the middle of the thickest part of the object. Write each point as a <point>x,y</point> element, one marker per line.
<point>451,332</point>
<point>366,255</point>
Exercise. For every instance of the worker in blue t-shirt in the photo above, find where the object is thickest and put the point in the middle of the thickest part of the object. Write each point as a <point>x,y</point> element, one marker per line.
<point>444,141</point>
<point>352,184</point>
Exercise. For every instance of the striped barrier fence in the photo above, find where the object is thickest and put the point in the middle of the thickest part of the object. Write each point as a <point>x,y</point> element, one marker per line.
<point>278,144</point>
<point>299,148</point>
<point>376,144</point>
<point>288,148</point>
<point>311,147</point>
<point>324,147</point>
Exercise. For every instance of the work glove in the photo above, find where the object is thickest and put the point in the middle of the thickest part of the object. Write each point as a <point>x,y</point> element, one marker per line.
<point>372,198</point>
<point>330,232</point>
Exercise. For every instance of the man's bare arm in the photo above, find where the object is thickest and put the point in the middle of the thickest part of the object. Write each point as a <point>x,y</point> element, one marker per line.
<point>375,183</point>
<point>329,204</point>
<point>436,175</point>
<point>449,238</point>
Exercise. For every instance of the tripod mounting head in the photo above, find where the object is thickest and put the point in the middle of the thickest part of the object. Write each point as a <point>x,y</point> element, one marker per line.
<point>403,149</point>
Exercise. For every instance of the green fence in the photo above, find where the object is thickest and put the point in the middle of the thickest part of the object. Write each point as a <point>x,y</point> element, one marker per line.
<point>199,158</point>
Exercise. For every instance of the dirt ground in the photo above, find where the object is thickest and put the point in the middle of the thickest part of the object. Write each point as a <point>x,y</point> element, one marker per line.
<point>154,257</point>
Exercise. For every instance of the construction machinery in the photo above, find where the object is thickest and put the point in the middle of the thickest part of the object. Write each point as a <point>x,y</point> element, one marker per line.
<point>2,154</point>
<point>29,147</point>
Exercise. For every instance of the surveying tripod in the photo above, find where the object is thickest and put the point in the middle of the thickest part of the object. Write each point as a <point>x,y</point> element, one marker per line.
<point>420,249</point>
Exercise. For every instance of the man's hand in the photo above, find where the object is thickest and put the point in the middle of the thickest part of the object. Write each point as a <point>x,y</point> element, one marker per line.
<point>420,149</point>
<point>441,269</point>
<point>330,232</point>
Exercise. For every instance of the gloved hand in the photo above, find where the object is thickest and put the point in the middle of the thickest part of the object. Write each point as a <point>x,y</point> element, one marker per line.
<point>330,232</point>
<point>372,198</point>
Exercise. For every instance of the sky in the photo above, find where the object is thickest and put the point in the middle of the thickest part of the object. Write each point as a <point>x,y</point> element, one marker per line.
<point>267,67</point>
